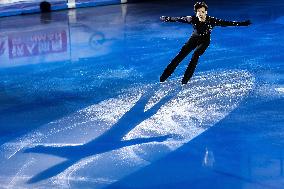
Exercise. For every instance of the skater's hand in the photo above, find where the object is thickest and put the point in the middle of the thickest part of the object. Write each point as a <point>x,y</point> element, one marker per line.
<point>165,18</point>
<point>246,23</point>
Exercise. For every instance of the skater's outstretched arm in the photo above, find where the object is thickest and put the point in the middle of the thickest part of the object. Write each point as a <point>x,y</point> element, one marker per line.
<point>183,19</point>
<point>224,23</point>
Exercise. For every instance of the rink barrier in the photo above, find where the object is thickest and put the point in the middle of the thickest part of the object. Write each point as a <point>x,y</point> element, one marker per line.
<point>33,7</point>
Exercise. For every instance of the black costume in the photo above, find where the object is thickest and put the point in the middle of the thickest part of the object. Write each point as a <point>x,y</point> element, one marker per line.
<point>199,40</point>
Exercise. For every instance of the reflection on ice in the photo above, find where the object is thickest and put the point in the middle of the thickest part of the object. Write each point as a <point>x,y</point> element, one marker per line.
<point>209,159</point>
<point>59,37</point>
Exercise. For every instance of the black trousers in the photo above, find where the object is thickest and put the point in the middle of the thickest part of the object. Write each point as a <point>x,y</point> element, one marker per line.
<point>200,44</point>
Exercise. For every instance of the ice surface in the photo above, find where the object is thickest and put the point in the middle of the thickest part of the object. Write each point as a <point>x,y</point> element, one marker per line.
<point>104,142</point>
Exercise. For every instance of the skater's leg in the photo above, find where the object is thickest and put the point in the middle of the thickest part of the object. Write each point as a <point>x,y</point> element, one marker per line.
<point>190,68</point>
<point>194,60</point>
<point>185,50</point>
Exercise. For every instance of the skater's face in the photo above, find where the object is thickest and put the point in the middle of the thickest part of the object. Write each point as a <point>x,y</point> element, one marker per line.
<point>201,14</point>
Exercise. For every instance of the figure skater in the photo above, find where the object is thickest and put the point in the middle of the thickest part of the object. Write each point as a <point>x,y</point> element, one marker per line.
<point>199,40</point>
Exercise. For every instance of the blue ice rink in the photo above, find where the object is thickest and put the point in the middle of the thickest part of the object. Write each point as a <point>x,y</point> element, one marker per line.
<point>81,105</point>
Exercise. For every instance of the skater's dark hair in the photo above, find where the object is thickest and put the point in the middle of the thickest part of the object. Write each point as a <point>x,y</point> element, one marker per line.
<point>199,5</point>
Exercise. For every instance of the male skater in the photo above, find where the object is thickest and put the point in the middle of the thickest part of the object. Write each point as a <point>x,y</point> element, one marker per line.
<point>199,40</point>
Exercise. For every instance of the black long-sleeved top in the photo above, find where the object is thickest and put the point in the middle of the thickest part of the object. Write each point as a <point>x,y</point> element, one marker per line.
<point>204,28</point>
